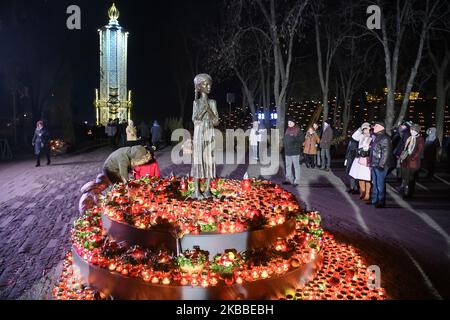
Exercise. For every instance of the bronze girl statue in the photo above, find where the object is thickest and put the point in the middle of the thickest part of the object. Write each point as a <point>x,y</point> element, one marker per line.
<point>205,118</point>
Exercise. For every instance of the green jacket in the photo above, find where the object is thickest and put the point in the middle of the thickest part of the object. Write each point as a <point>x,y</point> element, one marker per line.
<point>119,163</point>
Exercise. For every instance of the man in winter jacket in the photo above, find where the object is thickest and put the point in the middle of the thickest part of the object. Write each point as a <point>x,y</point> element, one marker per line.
<point>325,145</point>
<point>293,142</point>
<point>381,160</point>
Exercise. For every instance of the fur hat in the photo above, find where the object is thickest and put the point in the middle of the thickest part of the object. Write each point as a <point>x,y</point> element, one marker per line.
<point>365,125</point>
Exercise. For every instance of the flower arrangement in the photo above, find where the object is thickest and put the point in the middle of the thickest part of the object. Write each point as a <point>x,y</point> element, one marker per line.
<point>192,261</point>
<point>225,264</point>
<point>146,202</point>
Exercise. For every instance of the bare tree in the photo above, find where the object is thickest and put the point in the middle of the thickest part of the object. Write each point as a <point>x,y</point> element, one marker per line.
<point>352,69</point>
<point>185,67</point>
<point>235,50</point>
<point>327,26</point>
<point>394,25</point>
<point>283,22</point>
<point>428,17</point>
<point>440,60</point>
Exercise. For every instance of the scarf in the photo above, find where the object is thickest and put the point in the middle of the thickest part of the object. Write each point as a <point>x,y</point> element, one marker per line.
<point>411,144</point>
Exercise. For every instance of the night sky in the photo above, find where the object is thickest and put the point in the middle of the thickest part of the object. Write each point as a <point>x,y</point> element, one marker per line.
<point>154,44</point>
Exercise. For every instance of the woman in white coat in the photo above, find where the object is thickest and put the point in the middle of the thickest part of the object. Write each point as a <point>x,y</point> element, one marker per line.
<point>254,139</point>
<point>360,169</point>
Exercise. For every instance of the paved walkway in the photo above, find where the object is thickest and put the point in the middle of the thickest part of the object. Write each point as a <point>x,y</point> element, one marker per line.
<point>409,241</point>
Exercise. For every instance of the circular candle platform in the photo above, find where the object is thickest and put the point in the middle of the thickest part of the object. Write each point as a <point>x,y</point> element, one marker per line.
<point>148,240</point>
<point>212,242</point>
<point>126,288</point>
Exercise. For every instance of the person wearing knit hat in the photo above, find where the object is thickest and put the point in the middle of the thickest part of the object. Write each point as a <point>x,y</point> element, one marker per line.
<point>380,123</point>
<point>365,125</point>
<point>293,142</point>
<point>410,161</point>
<point>404,132</point>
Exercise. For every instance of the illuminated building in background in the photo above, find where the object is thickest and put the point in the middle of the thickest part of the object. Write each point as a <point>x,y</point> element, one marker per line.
<point>113,100</point>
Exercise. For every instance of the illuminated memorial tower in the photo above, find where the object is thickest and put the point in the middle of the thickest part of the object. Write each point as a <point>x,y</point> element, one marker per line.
<point>113,100</point>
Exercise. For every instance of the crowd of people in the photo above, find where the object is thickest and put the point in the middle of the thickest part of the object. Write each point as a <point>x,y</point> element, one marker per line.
<point>312,148</point>
<point>123,133</point>
<point>372,155</point>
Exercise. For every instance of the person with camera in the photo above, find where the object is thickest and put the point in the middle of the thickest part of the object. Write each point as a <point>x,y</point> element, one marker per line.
<point>360,169</point>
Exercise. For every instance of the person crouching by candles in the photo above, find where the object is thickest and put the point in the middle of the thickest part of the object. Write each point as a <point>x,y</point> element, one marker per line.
<point>120,162</point>
<point>41,143</point>
<point>360,169</point>
<point>293,141</point>
<point>150,169</point>
<point>410,161</point>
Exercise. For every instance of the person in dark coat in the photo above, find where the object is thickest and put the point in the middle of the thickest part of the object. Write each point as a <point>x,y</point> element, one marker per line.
<point>318,131</point>
<point>156,134</point>
<point>432,145</point>
<point>144,133</point>
<point>41,143</point>
<point>116,125</point>
<point>293,142</point>
<point>120,162</point>
<point>404,132</point>
<point>325,145</point>
<point>110,131</point>
<point>123,133</point>
<point>350,155</point>
<point>410,161</point>
<point>381,159</point>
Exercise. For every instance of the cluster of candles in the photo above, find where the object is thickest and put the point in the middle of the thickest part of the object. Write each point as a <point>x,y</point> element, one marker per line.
<point>57,146</point>
<point>343,276</point>
<point>88,228</point>
<point>206,276</point>
<point>145,204</point>
<point>70,287</point>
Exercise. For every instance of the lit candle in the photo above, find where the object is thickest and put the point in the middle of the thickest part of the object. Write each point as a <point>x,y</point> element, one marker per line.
<point>155,280</point>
